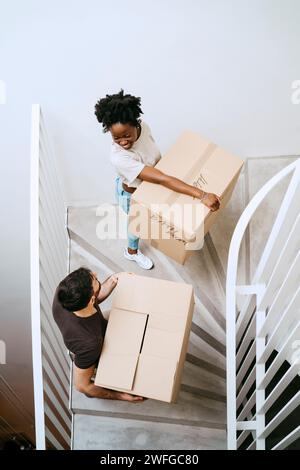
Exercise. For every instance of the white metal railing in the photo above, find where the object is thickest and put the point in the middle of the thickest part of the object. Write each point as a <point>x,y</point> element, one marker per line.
<point>261,337</point>
<point>49,264</point>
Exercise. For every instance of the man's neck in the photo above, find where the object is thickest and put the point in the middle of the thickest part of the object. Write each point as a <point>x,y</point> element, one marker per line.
<point>86,312</point>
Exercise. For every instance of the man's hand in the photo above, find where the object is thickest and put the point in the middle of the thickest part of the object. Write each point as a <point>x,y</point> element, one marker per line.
<point>83,384</point>
<point>210,200</point>
<point>112,281</point>
<point>107,287</point>
<point>133,398</point>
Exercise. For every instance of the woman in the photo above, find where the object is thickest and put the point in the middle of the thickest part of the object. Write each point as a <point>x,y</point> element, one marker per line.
<point>134,154</point>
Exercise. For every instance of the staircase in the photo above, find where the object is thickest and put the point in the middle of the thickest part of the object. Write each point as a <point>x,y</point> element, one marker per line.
<point>198,419</point>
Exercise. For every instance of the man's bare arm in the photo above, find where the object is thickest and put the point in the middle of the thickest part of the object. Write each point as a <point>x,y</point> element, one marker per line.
<point>107,287</point>
<point>83,384</point>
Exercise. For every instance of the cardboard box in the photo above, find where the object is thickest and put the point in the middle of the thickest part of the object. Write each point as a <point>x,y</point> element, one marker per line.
<point>147,337</point>
<point>175,223</point>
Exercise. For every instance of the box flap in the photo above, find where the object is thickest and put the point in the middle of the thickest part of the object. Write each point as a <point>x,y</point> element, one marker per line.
<point>121,348</point>
<point>151,295</point>
<point>186,159</point>
<point>163,343</point>
<point>155,377</point>
<point>198,162</point>
<point>165,321</point>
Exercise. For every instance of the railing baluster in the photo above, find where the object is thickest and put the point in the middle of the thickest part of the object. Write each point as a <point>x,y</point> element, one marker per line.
<point>268,318</point>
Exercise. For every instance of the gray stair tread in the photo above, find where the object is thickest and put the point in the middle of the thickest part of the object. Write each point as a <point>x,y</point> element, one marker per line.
<point>83,221</point>
<point>202,350</point>
<point>189,407</point>
<point>222,230</point>
<point>98,432</point>
<point>259,172</point>
<point>201,379</point>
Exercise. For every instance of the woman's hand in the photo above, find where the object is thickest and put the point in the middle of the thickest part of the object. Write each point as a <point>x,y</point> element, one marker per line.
<point>210,200</point>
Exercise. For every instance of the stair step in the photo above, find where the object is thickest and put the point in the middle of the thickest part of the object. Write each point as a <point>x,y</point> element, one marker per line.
<point>197,330</point>
<point>202,392</point>
<point>259,171</point>
<point>113,433</point>
<point>190,406</point>
<point>204,351</point>
<point>220,233</point>
<point>201,398</point>
<point>201,381</point>
<point>215,261</point>
<point>201,363</point>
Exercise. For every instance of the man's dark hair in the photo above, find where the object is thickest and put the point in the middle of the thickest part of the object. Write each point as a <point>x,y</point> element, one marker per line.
<point>76,290</point>
<point>125,109</point>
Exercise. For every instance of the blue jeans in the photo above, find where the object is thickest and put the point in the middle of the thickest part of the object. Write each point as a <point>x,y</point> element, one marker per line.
<point>123,198</point>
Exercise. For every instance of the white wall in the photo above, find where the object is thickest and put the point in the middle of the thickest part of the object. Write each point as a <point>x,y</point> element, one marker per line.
<point>220,67</point>
<point>14,262</point>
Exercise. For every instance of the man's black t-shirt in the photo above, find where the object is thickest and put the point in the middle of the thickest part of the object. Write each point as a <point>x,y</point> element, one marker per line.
<point>82,336</point>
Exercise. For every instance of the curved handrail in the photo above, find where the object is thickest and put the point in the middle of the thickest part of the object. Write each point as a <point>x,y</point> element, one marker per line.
<point>231,294</point>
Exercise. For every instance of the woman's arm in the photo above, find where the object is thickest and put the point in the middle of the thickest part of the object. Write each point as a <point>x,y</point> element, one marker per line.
<point>152,175</point>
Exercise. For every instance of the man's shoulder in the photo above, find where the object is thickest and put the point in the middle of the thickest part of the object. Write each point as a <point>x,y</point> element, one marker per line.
<point>60,314</point>
<point>56,306</point>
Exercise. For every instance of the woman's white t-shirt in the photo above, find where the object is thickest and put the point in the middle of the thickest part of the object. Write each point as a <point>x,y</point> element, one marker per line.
<point>129,163</point>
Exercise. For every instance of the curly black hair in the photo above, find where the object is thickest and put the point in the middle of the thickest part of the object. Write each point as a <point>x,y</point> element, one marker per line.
<point>76,290</point>
<point>118,108</point>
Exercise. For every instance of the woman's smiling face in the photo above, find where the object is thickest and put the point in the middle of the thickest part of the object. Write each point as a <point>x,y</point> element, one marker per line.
<point>124,134</point>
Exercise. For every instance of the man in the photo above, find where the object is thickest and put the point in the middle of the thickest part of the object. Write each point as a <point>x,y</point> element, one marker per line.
<point>80,320</point>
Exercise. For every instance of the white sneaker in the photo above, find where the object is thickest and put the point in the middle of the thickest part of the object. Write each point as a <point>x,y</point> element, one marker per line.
<point>143,261</point>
